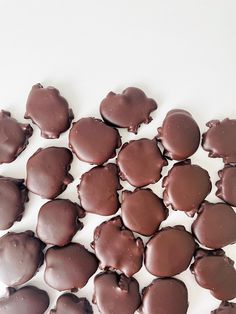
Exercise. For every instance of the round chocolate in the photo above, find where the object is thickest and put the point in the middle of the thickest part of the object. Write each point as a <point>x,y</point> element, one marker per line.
<point>227,185</point>
<point>213,270</point>
<point>48,110</point>
<point>93,141</point>
<point>47,171</point>
<point>115,293</point>
<point>140,162</point>
<point>13,195</point>
<point>169,252</point>
<point>98,190</point>
<point>165,296</point>
<point>117,248</point>
<point>225,308</point>
<point>69,303</point>
<point>69,267</point>
<point>127,110</point>
<point>186,187</point>
<point>21,254</point>
<point>179,135</point>
<point>215,226</point>
<point>14,137</point>
<point>58,221</point>
<point>26,300</point>
<point>142,211</point>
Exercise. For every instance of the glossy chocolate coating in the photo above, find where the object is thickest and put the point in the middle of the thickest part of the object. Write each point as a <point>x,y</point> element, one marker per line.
<point>98,190</point>
<point>179,135</point>
<point>227,185</point>
<point>14,137</point>
<point>58,221</point>
<point>13,195</point>
<point>213,270</point>
<point>47,171</point>
<point>93,141</point>
<point>69,267</point>
<point>215,226</point>
<point>142,211</point>
<point>48,110</point>
<point>186,187</point>
<point>127,110</point>
<point>169,252</point>
<point>115,293</point>
<point>140,162</point>
<point>69,303</point>
<point>225,308</point>
<point>117,248</point>
<point>165,296</point>
<point>26,300</point>
<point>21,254</point>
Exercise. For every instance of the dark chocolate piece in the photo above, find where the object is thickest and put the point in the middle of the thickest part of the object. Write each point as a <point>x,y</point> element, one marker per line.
<point>98,190</point>
<point>227,185</point>
<point>69,303</point>
<point>213,270</point>
<point>225,308</point>
<point>186,187</point>
<point>21,254</point>
<point>47,171</point>
<point>179,135</point>
<point>127,110</point>
<point>140,162</point>
<point>13,195</point>
<point>142,211</point>
<point>115,293</point>
<point>93,141</point>
<point>69,267</point>
<point>117,248</point>
<point>58,221</point>
<point>48,110</point>
<point>14,137</point>
<point>169,252</point>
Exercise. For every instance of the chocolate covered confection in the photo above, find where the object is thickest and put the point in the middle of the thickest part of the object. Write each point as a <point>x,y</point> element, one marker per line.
<point>58,221</point>
<point>14,137</point>
<point>179,135</point>
<point>117,248</point>
<point>21,254</point>
<point>214,271</point>
<point>13,195</point>
<point>115,293</point>
<point>48,110</point>
<point>47,171</point>
<point>140,162</point>
<point>69,303</point>
<point>93,141</point>
<point>226,186</point>
<point>98,190</point>
<point>127,110</point>
<point>142,211</point>
<point>225,308</point>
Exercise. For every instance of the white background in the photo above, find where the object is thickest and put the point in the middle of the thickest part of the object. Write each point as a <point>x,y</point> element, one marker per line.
<point>181,52</point>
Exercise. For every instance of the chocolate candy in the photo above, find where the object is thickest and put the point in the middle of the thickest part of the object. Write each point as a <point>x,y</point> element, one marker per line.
<point>215,225</point>
<point>116,294</point>
<point>142,211</point>
<point>165,296</point>
<point>48,110</point>
<point>220,140</point>
<point>69,267</point>
<point>69,303</point>
<point>225,308</point>
<point>117,248</point>
<point>26,300</point>
<point>93,141</point>
<point>127,110</point>
<point>179,135</point>
<point>227,185</point>
<point>140,162</point>
<point>14,137</point>
<point>98,190</point>
<point>13,195</point>
<point>47,171</point>
<point>58,221</point>
<point>21,254</point>
<point>213,270</point>
<point>186,187</point>
<point>169,252</point>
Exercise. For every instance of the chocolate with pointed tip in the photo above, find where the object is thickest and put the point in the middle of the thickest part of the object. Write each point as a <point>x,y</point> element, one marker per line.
<point>226,186</point>
<point>225,308</point>
<point>69,303</point>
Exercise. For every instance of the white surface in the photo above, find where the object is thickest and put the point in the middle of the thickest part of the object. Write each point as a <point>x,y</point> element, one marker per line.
<point>182,53</point>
